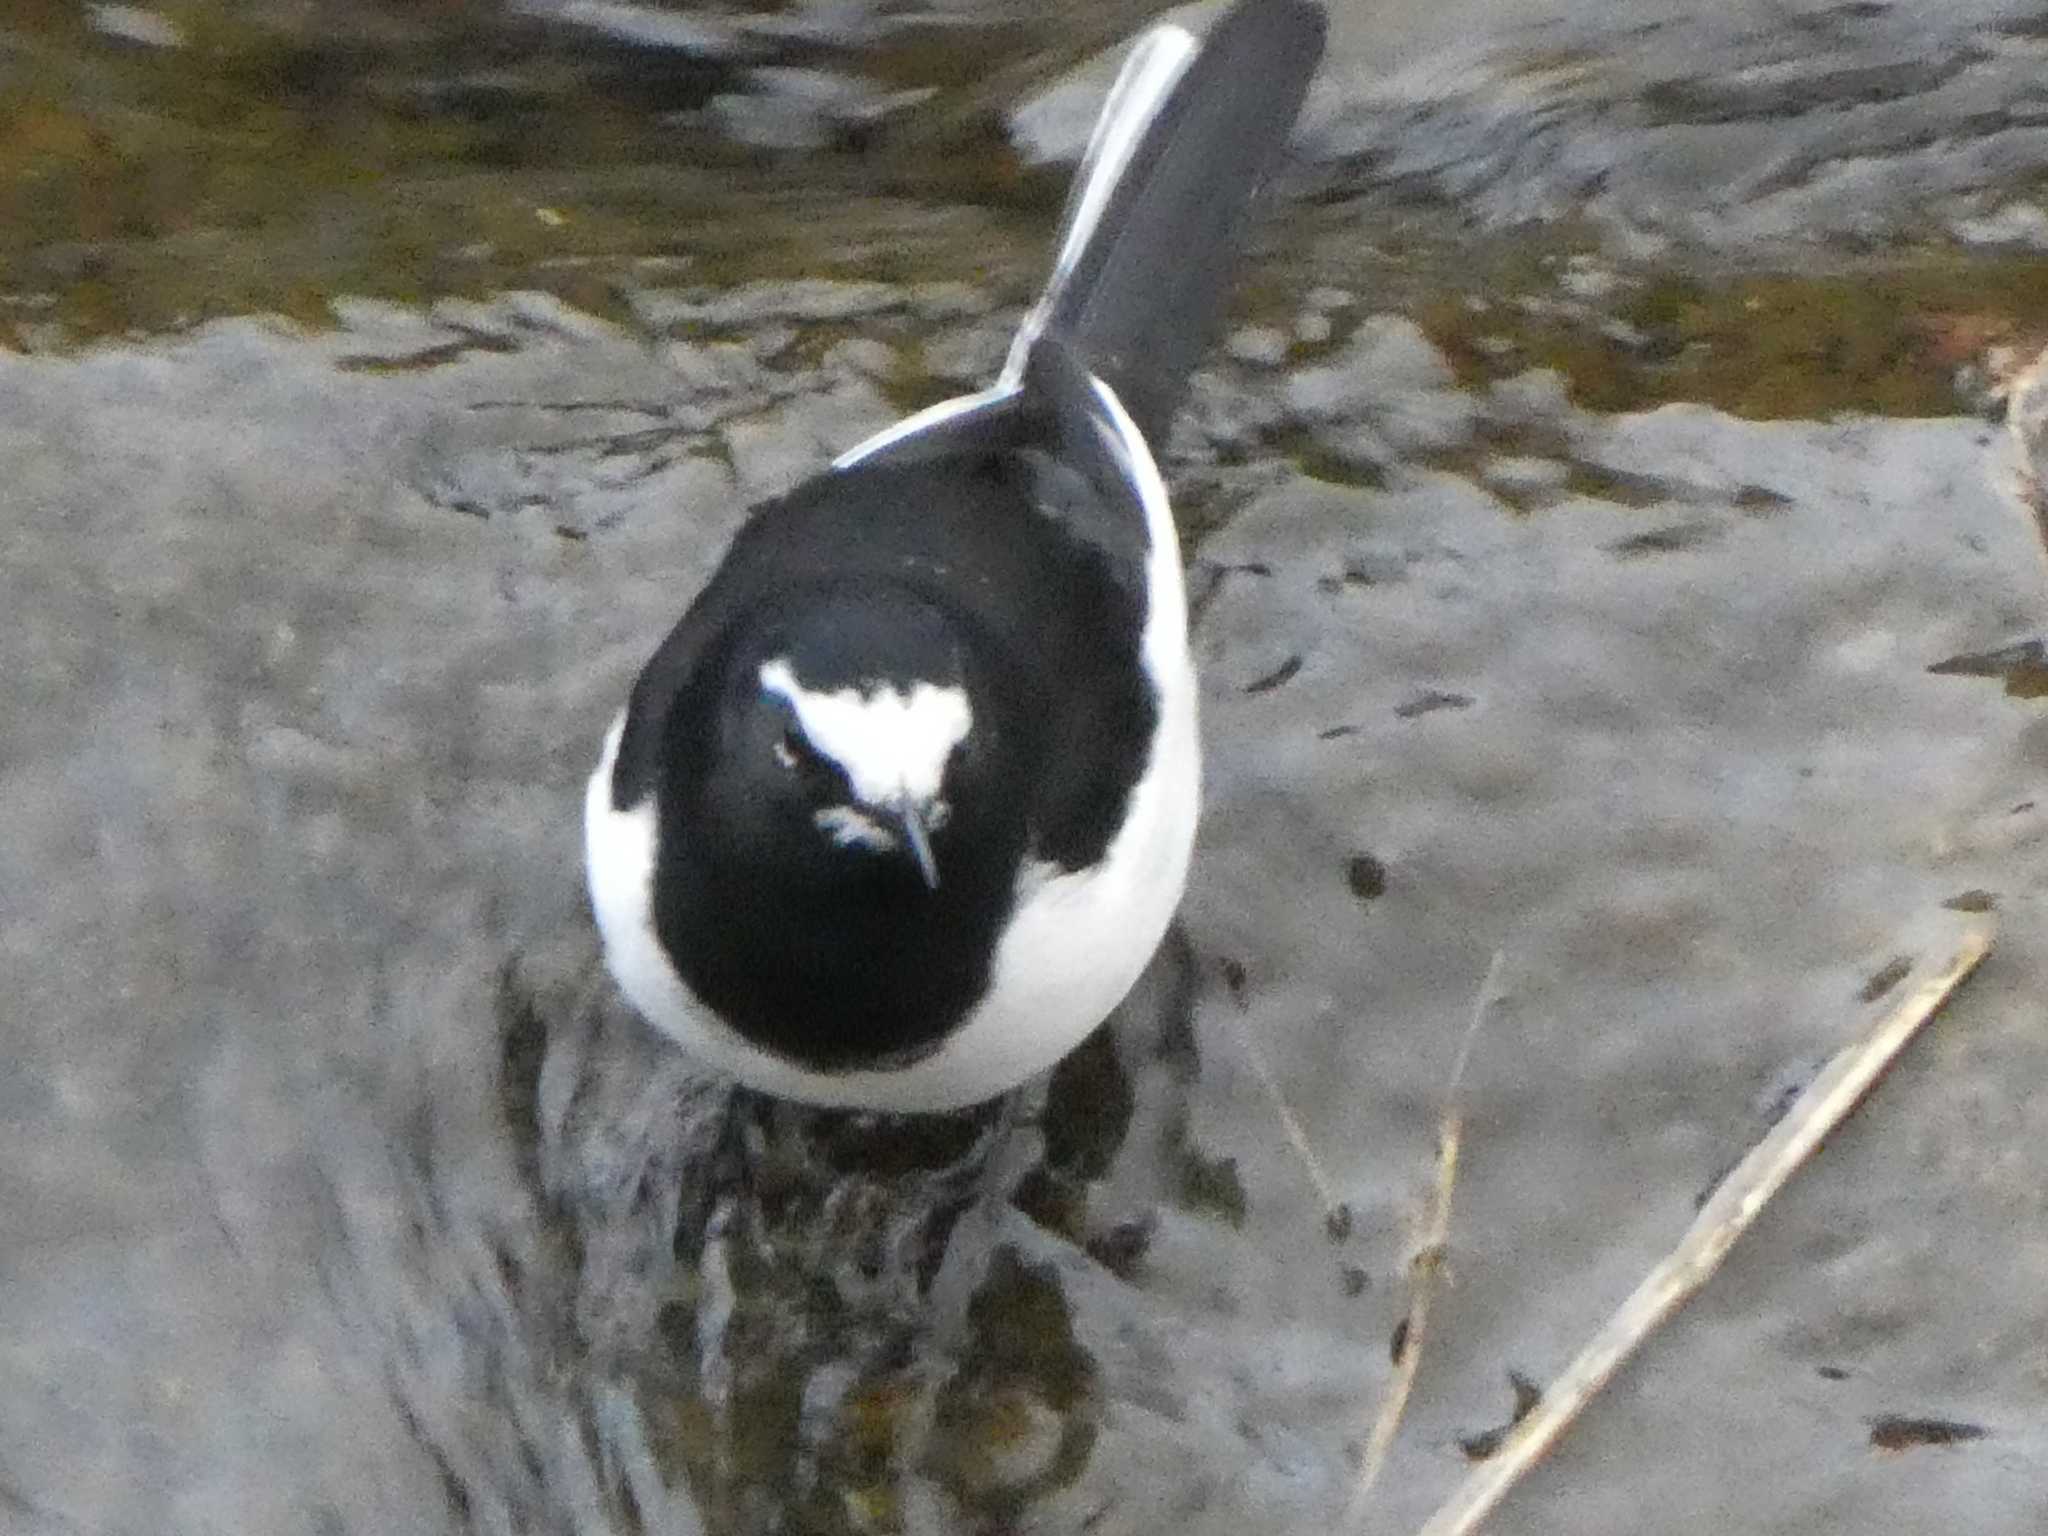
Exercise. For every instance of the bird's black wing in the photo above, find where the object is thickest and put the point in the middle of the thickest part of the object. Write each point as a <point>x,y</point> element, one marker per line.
<point>1088,471</point>
<point>1091,463</point>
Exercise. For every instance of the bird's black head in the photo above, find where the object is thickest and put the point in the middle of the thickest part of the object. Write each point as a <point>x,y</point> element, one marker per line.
<point>840,840</point>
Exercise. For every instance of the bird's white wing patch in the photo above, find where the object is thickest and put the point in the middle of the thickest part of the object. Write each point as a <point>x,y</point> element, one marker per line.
<point>929,419</point>
<point>619,857</point>
<point>1076,940</point>
<point>892,745</point>
<point>1165,642</point>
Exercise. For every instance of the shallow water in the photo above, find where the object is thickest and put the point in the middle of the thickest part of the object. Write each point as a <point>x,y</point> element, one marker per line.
<point>332,1197</point>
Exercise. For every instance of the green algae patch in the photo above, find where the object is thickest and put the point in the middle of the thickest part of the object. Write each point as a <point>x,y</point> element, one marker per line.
<point>1880,339</point>
<point>1018,1416</point>
<point>424,154</point>
<point>1212,1186</point>
<point>256,170</point>
<point>1780,334</point>
<point>1315,458</point>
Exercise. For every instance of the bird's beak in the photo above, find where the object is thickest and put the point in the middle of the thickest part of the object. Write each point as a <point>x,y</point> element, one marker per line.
<point>910,825</point>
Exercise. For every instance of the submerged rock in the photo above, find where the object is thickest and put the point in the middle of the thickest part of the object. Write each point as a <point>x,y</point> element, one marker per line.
<point>701,34</point>
<point>1832,122</point>
<point>135,24</point>
<point>787,107</point>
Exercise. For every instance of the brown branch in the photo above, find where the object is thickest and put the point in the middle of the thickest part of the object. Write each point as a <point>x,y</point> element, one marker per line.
<point>1728,1213</point>
<point>1425,1267</point>
<point>1290,1124</point>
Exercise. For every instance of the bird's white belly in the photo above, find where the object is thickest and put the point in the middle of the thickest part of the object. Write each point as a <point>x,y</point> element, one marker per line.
<point>1076,943</point>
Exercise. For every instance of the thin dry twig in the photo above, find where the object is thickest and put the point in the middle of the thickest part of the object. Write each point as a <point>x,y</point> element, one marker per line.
<point>1727,1214</point>
<point>1426,1266</point>
<point>2023,385</point>
<point>1297,1135</point>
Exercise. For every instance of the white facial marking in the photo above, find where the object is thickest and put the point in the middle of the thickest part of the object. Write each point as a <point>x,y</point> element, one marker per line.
<point>852,829</point>
<point>892,745</point>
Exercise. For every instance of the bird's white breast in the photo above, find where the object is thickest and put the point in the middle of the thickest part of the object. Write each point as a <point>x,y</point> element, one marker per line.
<point>1078,941</point>
<point>618,863</point>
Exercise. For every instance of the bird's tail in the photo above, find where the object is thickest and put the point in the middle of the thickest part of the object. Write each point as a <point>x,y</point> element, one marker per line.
<point>1149,243</point>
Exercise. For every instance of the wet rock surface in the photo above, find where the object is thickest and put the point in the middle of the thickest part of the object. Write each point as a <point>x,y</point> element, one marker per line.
<point>338,1195</point>
<point>1726,128</point>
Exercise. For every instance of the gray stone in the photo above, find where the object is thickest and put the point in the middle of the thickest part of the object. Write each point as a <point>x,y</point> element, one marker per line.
<point>801,108</point>
<point>1224,412</point>
<point>860,357</point>
<point>541,313</point>
<point>947,301</point>
<point>1628,337</point>
<point>1692,125</point>
<point>1387,355</point>
<point>643,26</point>
<point>800,300</point>
<point>135,24</point>
<point>1387,385</point>
<point>1588,280</point>
<point>1428,420</point>
<point>724,375</point>
<point>769,342</point>
<point>1524,478</point>
<point>1536,396</point>
<point>377,331</point>
<point>2013,223</point>
<point>969,354</point>
<point>1053,126</point>
<point>1262,346</point>
<point>477,317</point>
<point>773,451</point>
<point>1313,329</point>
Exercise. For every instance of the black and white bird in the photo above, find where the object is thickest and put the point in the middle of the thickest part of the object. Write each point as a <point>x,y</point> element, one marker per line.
<point>900,809</point>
